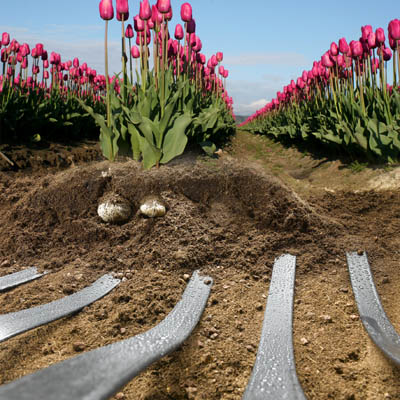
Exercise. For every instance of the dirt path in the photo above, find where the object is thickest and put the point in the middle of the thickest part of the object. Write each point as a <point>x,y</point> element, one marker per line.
<point>229,218</point>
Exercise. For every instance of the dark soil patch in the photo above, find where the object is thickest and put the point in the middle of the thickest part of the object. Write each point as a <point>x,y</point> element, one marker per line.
<point>230,222</point>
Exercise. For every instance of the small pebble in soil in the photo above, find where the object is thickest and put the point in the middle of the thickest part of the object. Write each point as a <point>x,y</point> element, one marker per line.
<point>5,264</point>
<point>304,341</point>
<point>250,348</point>
<point>186,277</point>
<point>385,280</point>
<point>344,290</point>
<point>259,307</point>
<point>78,346</point>
<point>354,317</point>
<point>360,252</point>
<point>327,319</point>
<point>387,396</point>
<point>153,207</point>
<point>119,396</point>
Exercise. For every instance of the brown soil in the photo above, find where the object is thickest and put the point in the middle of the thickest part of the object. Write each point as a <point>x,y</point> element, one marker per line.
<point>230,218</point>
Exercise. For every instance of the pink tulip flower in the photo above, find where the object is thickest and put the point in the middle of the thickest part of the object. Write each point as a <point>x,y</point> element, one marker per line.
<point>186,12</point>
<point>343,46</point>
<point>356,48</point>
<point>163,5</point>
<point>135,52</point>
<point>392,43</point>
<point>129,31</point>
<point>191,26</point>
<point>45,56</point>
<point>365,31</point>
<point>106,10</point>
<point>76,62</point>
<point>333,51</point>
<point>156,15</point>
<point>5,39</point>
<point>387,54</point>
<point>394,29</point>
<point>122,6</point>
<point>221,70</point>
<point>380,36</point>
<point>372,44</point>
<point>46,64</point>
<point>179,32</point>
<point>138,23</point>
<point>326,60</point>
<point>220,56</point>
<point>145,10</point>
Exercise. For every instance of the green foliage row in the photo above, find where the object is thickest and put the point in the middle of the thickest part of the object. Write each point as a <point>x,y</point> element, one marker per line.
<point>155,130</point>
<point>37,114</point>
<point>344,124</point>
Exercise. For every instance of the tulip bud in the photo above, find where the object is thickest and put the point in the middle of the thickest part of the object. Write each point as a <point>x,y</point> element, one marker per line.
<point>168,15</point>
<point>46,63</point>
<point>5,39</point>
<point>372,41</point>
<point>135,52</point>
<point>163,5</point>
<point>333,51</point>
<point>365,31</point>
<point>326,60</point>
<point>156,16</point>
<point>138,23</point>
<point>186,12</point>
<point>380,36</point>
<point>394,29</point>
<point>145,10</point>
<point>221,70</point>
<point>343,46</point>
<point>220,56</point>
<point>45,56</point>
<point>76,62</point>
<point>191,26</point>
<point>340,60</point>
<point>387,54</point>
<point>129,31</point>
<point>356,48</point>
<point>122,16</point>
<point>46,74</point>
<point>226,73</point>
<point>106,10</point>
<point>179,32</point>
<point>122,6</point>
<point>392,43</point>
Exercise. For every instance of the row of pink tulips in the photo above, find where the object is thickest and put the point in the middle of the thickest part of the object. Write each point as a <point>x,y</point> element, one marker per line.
<point>345,69</point>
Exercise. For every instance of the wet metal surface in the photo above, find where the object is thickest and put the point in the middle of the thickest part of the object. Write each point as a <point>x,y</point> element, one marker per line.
<point>370,308</point>
<point>14,323</point>
<point>18,278</point>
<point>98,374</point>
<point>274,372</point>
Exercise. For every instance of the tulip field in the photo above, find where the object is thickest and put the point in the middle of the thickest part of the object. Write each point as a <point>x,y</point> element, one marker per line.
<point>148,112</point>
<point>345,100</point>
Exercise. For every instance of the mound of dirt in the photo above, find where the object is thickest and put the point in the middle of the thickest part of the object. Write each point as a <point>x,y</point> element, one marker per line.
<point>224,219</point>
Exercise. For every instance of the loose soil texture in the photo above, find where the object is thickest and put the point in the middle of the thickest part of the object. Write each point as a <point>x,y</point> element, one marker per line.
<point>229,218</point>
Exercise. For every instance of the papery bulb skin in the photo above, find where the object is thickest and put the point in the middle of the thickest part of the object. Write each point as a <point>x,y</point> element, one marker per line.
<point>5,39</point>
<point>356,48</point>
<point>394,29</point>
<point>163,5</point>
<point>220,56</point>
<point>135,52</point>
<point>334,51</point>
<point>179,32</point>
<point>129,32</point>
<point>145,10</point>
<point>106,10</point>
<point>380,36</point>
<point>191,26</point>
<point>343,46</point>
<point>186,12</point>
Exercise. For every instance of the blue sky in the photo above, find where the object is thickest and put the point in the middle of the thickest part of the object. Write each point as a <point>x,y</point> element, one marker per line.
<point>265,43</point>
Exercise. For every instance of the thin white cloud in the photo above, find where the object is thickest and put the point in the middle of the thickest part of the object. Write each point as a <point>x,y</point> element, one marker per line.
<point>290,59</point>
<point>249,109</point>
